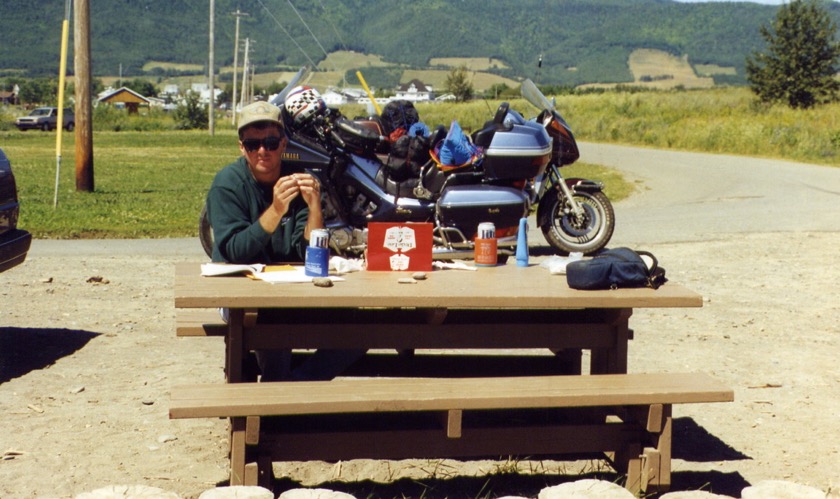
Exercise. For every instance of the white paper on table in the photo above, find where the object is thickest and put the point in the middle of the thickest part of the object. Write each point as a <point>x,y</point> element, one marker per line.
<point>298,274</point>
<point>557,264</point>
<point>457,265</point>
<point>224,269</point>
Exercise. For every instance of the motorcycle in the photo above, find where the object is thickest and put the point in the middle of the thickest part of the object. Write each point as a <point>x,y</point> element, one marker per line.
<point>517,171</point>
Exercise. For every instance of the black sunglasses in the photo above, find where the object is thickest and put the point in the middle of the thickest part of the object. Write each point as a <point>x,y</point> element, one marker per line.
<point>270,144</point>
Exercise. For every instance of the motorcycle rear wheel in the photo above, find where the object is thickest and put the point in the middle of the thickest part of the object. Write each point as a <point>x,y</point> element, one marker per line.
<point>567,233</point>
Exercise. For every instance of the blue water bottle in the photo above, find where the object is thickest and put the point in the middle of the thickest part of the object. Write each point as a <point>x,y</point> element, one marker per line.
<point>522,243</point>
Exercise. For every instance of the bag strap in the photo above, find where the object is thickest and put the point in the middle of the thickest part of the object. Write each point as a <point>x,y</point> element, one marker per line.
<point>653,259</point>
<point>656,275</point>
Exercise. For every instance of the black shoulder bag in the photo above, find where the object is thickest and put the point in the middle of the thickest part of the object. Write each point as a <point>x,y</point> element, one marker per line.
<point>615,268</point>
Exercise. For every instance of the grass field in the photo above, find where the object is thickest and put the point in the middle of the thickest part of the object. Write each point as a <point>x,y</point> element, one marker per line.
<point>659,70</point>
<point>152,183</point>
<point>471,63</point>
<point>653,69</point>
<point>147,184</point>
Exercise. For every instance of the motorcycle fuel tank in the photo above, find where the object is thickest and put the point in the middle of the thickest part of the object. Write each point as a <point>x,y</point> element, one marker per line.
<point>464,207</point>
<point>299,157</point>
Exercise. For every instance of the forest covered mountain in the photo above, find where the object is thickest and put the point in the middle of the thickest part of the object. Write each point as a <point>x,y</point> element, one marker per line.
<point>579,41</point>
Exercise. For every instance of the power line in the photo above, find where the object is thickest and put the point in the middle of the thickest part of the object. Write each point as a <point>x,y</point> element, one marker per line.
<point>307,27</point>
<point>287,33</point>
<point>343,45</point>
<point>326,55</point>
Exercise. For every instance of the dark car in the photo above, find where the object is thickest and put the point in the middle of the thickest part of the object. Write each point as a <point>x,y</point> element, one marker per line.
<point>46,119</point>
<point>14,242</point>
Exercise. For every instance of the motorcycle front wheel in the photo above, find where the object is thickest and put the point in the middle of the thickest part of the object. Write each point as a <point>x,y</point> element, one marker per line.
<point>205,232</point>
<point>568,233</point>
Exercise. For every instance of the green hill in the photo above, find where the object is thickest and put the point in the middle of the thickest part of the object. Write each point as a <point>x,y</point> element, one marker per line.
<point>580,41</point>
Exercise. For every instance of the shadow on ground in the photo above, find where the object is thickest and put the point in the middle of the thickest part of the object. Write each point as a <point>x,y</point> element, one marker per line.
<point>495,485</point>
<point>692,443</point>
<point>23,350</point>
<point>517,485</point>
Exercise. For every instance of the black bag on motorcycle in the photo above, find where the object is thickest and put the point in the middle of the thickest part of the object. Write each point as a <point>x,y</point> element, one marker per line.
<point>615,268</point>
<point>407,156</point>
<point>397,117</point>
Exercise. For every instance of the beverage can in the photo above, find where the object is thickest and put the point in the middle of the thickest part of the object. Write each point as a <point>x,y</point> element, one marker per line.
<point>319,238</point>
<point>317,259</point>
<point>486,230</point>
<point>486,245</point>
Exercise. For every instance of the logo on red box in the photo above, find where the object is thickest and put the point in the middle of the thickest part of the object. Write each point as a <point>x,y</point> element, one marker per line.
<point>399,247</point>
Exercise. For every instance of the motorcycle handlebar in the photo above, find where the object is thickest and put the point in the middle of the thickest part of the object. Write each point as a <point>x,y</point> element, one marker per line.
<point>336,138</point>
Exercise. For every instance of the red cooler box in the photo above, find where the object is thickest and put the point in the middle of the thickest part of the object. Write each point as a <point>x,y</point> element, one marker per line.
<point>399,246</point>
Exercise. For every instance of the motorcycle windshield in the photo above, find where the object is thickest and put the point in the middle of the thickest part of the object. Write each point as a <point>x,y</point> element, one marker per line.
<point>533,95</point>
<point>301,76</point>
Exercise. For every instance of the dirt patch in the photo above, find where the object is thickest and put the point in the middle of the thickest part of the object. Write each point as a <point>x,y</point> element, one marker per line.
<point>87,365</point>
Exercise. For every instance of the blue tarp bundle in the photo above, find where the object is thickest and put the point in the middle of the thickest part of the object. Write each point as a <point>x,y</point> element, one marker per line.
<point>456,148</point>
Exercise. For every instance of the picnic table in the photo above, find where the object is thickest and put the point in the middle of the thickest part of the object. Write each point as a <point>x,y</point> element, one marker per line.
<point>514,409</point>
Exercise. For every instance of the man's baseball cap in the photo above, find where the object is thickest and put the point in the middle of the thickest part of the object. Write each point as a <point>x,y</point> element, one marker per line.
<point>259,111</point>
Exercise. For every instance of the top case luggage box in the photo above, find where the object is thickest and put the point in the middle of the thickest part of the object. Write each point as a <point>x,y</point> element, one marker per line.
<point>519,153</point>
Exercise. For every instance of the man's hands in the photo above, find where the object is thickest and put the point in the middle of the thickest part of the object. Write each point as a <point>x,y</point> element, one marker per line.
<point>287,189</point>
<point>309,188</point>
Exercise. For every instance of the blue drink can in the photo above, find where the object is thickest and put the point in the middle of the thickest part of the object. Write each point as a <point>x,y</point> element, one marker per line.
<point>317,262</point>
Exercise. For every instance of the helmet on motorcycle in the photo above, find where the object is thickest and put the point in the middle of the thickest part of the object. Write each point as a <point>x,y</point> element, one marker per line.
<point>303,103</point>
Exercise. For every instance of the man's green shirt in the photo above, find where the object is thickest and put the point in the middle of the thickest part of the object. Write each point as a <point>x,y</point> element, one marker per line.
<point>234,205</point>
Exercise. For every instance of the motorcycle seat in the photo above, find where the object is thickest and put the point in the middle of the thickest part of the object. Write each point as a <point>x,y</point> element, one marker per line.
<point>483,137</point>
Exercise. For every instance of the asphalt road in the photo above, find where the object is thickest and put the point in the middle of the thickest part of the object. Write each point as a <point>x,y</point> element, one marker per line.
<point>693,197</point>
<point>681,197</point>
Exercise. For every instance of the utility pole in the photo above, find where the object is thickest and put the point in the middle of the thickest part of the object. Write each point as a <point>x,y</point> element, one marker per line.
<point>211,111</point>
<point>251,81</point>
<point>245,73</point>
<point>84,123</point>
<point>237,14</point>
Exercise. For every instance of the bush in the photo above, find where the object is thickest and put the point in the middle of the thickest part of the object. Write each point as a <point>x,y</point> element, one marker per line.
<point>7,120</point>
<point>191,114</point>
<point>109,118</point>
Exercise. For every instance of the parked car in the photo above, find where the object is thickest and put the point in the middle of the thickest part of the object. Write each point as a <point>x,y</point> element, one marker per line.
<point>14,242</point>
<point>46,119</point>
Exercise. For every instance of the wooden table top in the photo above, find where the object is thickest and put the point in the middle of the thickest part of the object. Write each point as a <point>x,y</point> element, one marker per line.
<point>504,286</point>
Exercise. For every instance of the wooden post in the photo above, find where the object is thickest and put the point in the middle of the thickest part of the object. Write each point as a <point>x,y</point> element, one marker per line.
<point>238,15</point>
<point>211,122</point>
<point>84,109</point>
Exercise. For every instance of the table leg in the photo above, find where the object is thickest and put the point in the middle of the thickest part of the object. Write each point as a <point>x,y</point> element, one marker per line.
<point>656,471</point>
<point>613,360</point>
<point>234,345</point>
<point>237,451</point>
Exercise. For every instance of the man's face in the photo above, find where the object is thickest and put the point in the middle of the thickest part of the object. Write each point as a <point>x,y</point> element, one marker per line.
<point>263,148</point>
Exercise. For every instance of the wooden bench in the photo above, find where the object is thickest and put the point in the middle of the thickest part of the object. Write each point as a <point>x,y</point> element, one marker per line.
<point>199,322</point>
<point>625,417</point>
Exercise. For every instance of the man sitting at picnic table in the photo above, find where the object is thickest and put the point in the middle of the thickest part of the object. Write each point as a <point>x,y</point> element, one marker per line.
<point>261,213</point>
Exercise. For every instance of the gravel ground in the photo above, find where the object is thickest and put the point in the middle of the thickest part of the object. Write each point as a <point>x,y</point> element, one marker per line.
<point>88,353</point>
